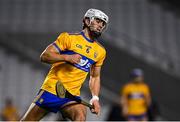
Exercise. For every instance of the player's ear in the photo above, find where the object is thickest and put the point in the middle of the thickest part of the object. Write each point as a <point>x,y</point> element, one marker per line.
<point>86,21</point>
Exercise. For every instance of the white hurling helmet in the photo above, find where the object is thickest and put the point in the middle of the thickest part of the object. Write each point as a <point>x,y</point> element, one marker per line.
<point>95,13</point>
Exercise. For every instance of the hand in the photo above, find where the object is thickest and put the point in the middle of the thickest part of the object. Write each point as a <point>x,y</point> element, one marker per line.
<point>74,59</point>
<point>97,108</point>
<point>124,112</point>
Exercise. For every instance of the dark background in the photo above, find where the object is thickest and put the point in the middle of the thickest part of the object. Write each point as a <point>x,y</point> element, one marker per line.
<point>141,34</point>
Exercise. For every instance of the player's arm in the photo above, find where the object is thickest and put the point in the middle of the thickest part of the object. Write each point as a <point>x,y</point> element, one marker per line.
<point>94,85</point>
<point>148,100</point>
<point>124,101</point>
<point>51,55</point>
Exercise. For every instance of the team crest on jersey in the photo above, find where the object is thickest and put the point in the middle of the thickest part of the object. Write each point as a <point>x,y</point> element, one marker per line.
<point>95,54</point>
<point>88,48</point>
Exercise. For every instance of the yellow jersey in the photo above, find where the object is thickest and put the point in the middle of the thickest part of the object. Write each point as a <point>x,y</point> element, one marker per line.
<point>70,75</point>
<point>135,95</point>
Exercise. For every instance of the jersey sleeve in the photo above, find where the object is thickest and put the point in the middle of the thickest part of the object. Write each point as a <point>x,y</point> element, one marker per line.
<point>63,42</point>
<point>101,60</point>
<point>125,90</point>
<point>147,91</point>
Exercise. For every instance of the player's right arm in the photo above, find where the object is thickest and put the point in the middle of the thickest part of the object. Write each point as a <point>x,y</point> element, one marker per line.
<point>50,55</point>
<point>124,101</point>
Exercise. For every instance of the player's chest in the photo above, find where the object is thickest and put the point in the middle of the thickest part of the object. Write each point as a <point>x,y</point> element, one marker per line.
<point>89,50</point>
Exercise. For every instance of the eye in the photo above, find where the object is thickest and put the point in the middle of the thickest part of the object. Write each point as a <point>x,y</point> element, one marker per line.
<point>97,20</point>
<point>100,21</point>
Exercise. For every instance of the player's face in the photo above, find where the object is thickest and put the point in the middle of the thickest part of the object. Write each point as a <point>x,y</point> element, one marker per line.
<point>139,79</point>
<point>97,25</point>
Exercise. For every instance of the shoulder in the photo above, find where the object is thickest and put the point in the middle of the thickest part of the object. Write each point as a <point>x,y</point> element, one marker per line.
<point>100,45</point>
<point>69,34</point>
<point>128,85</point>
<point>101,48</point>
<point>74,33</point>
<point>64,34</point>
<point>126,88</point>
<point>146,86</point>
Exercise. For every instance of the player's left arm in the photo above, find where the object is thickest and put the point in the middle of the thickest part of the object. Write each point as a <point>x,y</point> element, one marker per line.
<point>94,85</point>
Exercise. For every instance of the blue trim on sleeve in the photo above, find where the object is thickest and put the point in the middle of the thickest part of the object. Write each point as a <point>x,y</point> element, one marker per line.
<point>68,52</point>
<point>89,40</point>
<point>55,45</point>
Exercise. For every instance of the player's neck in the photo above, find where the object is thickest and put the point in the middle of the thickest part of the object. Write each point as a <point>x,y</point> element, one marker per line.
<point>87,34</point>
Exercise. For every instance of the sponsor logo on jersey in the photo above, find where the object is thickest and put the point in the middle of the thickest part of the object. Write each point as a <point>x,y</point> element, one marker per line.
<point>79,46</point>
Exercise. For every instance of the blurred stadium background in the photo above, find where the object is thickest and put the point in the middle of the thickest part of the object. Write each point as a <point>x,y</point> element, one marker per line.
<point>141,33</point>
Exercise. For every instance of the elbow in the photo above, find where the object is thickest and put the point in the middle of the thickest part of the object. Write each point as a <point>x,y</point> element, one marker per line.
<point>42,57</point>
<point>45,58</point>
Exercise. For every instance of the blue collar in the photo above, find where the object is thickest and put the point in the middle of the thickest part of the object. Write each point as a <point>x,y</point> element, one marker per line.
<point>89,40</point>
